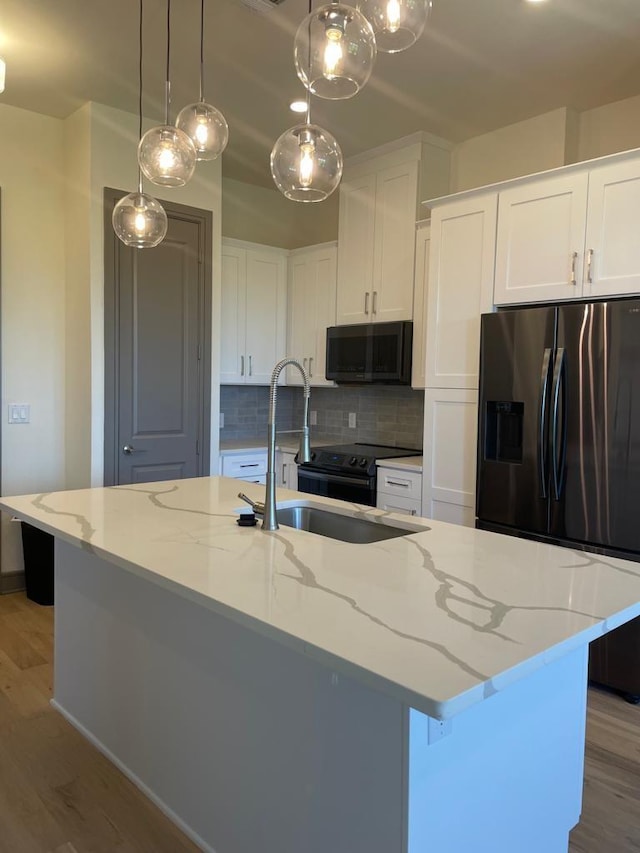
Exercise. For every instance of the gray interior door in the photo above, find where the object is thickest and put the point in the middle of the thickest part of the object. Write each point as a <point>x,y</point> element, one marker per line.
<point>160,342</point>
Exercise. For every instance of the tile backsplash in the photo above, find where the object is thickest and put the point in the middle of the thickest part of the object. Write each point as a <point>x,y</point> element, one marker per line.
<point>383,414</point>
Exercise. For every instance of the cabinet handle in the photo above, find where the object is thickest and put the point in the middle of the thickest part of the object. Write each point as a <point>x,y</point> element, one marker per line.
<point>241,365</point>
<point>250,465</point>
<point>304,363</point>
<point>251,364</point>
<point>572,274</point>
<point>375,302</point>
<point>366,303</point>
<point>284,479</point>
<point>310,366</point>
<point>395,483</point>
<point>590,266</point>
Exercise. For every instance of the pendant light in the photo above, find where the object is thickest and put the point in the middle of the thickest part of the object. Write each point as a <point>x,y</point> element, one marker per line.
<point>166,154</point>
<point>205,126</point>
<point>397,24</point>
<point>138,219</point>
<point>306,161</point>
<point>334,51</point>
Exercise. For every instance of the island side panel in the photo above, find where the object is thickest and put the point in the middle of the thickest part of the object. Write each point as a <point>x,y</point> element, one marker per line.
<point>507,774</point>
<point>245,743</point>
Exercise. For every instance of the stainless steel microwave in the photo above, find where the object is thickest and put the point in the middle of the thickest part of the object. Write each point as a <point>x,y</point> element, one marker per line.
<point>370,352</point>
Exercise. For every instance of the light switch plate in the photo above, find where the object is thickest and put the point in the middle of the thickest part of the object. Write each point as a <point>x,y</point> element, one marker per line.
<point>352,420</point>
<point>313,418</point>
<point>19,413</point>
<point>221,420</point>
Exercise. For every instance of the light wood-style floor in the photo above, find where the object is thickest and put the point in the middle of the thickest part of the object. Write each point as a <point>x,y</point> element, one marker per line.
<point>60,795</point>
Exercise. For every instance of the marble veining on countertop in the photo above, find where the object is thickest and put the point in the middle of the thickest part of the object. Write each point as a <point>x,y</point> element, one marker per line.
<point>402,463</point>
<point>440,619</point>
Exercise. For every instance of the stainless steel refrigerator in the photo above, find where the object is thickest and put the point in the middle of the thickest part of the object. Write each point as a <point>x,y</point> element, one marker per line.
<point>559,440</point>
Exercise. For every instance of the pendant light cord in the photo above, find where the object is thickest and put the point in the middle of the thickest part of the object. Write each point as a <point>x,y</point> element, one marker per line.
<point>140,94</point>
<point>202,52</point>
<point>309,65</point>
<point>167,99</point>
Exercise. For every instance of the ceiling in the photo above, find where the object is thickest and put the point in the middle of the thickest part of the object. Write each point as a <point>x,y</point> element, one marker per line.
<point>481,64</point>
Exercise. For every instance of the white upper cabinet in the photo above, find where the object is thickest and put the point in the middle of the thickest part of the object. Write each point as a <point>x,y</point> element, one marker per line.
<point>379,196</point>
<point>461,266</point>
<point>612,264</point>
<point>420,291</point>
<point>312,308</point>
<point>570,235</point>
<point>540,240</point>
<point>253,312</point>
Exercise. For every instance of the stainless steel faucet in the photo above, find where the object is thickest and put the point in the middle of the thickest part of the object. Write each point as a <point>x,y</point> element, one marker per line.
<point>268,510</point>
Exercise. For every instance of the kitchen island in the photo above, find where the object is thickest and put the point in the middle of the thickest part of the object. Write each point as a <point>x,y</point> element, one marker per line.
<point>290,693</point>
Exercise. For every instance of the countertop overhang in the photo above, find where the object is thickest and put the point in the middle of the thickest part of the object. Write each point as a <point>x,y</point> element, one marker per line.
<point>441,619</point>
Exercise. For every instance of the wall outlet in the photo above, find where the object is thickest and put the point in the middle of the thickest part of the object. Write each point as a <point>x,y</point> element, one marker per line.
<point>221,420</point>
<point>313,418</point>
<point>352,420</point>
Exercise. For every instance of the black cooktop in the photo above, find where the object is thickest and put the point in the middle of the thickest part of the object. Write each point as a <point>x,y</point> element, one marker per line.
<point>355,458</point>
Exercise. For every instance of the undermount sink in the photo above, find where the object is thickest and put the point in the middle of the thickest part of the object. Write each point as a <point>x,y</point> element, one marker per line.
<point>346,528</point>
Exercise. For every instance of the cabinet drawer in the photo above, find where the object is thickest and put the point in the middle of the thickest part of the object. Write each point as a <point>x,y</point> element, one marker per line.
<point>403,506</point>
<point>246,465</point>
<point>406,484</point>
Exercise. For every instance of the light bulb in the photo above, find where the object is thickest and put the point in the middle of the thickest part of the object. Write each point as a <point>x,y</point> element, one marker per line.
<point>393,16</point>
<point>333,53</point>
<point>167,156</point>
<point>397,24</point>
<point>139,220</point>
<point>306,163</point>
<point>307,151</point>
<point>206,127</point>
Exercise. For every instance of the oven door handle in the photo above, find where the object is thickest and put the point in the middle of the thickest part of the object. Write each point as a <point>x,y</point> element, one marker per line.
<point>326,477</point>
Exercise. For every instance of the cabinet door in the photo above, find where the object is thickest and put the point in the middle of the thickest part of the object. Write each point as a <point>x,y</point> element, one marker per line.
<point>288,472</point>
<point>394,243</point>
<point>540,240</point>
<point>323,311</point>
<point>449,456</point>
<point>233,366</point>
<point>420,290</point>
<point>613,220</point>
<point>355,250</point>
<point>300,313</point>
<point>265,314</point>
<point>461,265</point>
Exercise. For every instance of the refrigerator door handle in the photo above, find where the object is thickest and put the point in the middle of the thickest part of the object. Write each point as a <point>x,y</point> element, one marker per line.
<point>559,382</point>
<point>542,423</point>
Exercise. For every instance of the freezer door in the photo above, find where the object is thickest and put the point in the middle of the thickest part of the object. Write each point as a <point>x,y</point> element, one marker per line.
<point>595,494</point>
<point>516,361</point>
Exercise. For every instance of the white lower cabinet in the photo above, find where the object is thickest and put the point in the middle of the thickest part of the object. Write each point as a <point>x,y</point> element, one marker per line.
<point>251,467</point>
<point>399,491</point>
<point>287,470</point>
<point>449,455</point>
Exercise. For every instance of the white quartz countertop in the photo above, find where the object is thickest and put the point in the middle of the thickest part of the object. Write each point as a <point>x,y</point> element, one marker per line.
<point>440,619</point>
<point>402,463</point>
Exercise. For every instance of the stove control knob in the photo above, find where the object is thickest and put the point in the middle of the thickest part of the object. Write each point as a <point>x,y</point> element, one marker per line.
<point>353,460</point>
<point>363,463</point>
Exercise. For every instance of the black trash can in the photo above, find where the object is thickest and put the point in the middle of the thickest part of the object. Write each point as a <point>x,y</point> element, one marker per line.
<point>37,547</point>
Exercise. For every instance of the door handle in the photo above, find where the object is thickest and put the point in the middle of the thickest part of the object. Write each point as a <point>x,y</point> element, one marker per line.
<point>241,365</point>
<point>572,273</point>
<point>559,382</point>
<point>542,423</point>
<point>310,366</point>
<point>250,365</point>
<point>374,307</point>
<point>366,303</point>
<point>128,449</point>
<point>590,266</point>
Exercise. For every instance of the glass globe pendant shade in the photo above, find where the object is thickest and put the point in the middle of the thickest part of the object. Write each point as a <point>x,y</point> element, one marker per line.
<point>139,220</point>
<point>167,156</point>
<point>206,127</point>
<point>397,24</point>
<point>306,163</point>
<point>334,51</point>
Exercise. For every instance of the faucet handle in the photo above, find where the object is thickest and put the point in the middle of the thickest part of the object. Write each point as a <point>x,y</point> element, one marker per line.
<point>256,506</point>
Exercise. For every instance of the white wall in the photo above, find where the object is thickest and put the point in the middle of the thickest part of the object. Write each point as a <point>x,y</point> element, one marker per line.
<point>539,143</point>
<point>264,215</point>
<point>33,306</point>
<point>605,130</point>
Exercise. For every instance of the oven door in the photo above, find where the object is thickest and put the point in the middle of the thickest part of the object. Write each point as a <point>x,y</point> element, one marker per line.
<point>359,490</point>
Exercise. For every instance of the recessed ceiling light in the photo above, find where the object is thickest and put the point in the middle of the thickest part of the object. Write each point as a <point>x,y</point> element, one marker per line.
<point>298,106</point>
